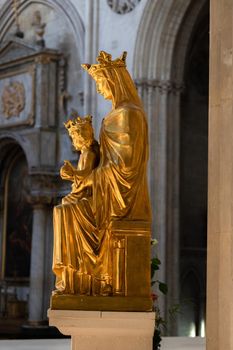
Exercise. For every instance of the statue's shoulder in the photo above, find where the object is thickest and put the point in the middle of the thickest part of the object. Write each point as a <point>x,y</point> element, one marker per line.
<point>128,107</point>
<point>127,115</point>
<point>128,110</point>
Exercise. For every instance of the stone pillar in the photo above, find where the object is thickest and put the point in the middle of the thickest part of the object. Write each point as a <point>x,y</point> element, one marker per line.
<point>2,297</point>
<point>220,182</point>
<point>161,99</point>
<point>49,277</point>
<point>91,52</point>
<point>36,297</point>
<point>154,106</point>
<point>1,229</point>
<point>172,210</point>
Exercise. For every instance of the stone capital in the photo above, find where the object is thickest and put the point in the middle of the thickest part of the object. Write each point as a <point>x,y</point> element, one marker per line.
<point>163,86</point>
<point>43,189</point>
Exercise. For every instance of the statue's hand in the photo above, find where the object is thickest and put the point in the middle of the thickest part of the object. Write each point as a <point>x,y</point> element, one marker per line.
<point>67,171</point>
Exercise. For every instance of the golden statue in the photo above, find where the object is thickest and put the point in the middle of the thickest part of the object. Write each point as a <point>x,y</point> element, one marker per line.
<point>102,228</point>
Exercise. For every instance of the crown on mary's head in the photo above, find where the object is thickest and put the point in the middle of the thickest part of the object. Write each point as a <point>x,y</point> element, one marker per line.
<point>77,122</point>
<point>105,61</point>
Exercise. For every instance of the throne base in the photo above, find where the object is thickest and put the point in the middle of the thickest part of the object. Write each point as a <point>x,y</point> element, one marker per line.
<point>100,303</point>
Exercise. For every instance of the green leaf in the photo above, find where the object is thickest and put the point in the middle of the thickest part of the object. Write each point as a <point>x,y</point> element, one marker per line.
<point>174,310</point>
<point>157,339</point>
<point>163,288</point>
<point>155,262</point>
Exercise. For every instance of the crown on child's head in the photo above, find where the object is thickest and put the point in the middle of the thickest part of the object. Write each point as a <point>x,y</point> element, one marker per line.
<point>105,61</point>
<point>77,122</point>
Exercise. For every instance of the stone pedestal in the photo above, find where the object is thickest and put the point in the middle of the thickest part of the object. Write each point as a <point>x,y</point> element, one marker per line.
<point>97,330</point>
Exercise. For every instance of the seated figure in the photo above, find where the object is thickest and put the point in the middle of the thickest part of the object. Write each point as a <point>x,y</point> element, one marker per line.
<point>81,132</point>
<point>102,228</point>
<point>72,275</point>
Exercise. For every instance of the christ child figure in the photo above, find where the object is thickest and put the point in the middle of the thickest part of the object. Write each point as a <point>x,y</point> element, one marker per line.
<point>82,135</point>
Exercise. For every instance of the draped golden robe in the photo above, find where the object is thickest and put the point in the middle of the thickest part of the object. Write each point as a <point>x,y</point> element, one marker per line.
<point>82,239</point>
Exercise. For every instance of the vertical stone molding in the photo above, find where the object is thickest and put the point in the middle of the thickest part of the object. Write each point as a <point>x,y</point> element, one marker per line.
<point>220,184</point>
<point>37,264</point>
<point>161,99</point>
<point>91,44</point>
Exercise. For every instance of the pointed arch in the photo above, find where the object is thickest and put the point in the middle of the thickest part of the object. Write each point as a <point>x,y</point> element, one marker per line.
<point>10,142</point>
<point>160,37</point>
<point>63,6</point>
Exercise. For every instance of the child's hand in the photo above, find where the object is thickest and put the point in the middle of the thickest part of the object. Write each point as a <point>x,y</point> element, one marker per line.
<point>67,171</point>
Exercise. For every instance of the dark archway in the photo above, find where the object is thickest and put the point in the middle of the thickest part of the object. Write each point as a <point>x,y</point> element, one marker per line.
<point>16,230</point>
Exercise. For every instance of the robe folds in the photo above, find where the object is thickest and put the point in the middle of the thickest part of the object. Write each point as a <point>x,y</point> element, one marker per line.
<point>82,259</point>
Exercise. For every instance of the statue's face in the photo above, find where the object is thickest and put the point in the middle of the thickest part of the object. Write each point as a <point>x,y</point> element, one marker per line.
<point>78,142</point>
<point>103,88</point>
<point>81,136</point>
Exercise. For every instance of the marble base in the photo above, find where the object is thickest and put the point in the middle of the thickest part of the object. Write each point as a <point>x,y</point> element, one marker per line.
<point>97,330</point>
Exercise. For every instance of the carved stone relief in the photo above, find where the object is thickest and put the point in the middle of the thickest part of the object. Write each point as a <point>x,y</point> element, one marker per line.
<point>122,6</point>
<point>17,92</point>
<point>13,99</point>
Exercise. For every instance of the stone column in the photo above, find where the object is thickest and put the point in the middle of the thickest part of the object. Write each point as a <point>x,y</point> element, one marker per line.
<point>1,227</point>
<point>161,99</point>
<point>2,297</point>
<point>173,91</point>
<point>49,277</point>
<point>157,118</point>
<point>91,52</point>
<point>37,265</point>
<point>220,182</point>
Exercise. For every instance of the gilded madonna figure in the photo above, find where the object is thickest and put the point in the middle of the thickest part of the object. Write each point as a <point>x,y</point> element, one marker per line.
<point>104,223</point>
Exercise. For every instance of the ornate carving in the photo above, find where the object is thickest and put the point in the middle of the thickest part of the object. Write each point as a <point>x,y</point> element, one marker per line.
<point>122,6</point>
<point>62,70</point>
<point>119,265</point>
<point>164,86</point>
<point>39,28</point>
<point>24,119</point>
<point>32,71</point>
<point>43,189</point>
<point>13,99</point>
<point>43,59</point>
<point>64,96</point>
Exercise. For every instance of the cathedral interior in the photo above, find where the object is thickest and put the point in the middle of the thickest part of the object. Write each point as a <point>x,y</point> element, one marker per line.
<point>42,45</point>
